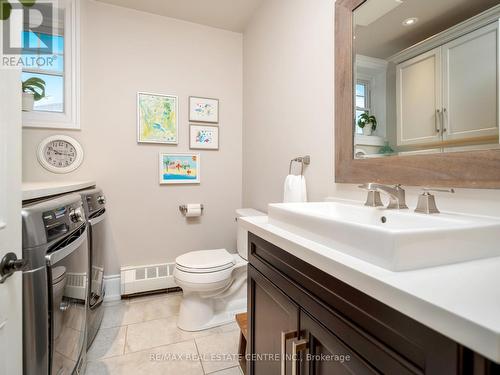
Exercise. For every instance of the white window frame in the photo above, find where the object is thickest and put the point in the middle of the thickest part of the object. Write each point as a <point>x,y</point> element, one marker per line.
<point>367,83</point>
<point>70,118</point>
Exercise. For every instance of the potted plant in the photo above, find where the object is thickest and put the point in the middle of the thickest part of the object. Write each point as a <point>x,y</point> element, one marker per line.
<point>33,91</point>
<point>367,123</point>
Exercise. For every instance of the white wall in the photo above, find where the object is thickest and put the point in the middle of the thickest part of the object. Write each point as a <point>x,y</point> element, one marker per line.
<point>288,108</point>
<point>125,51</point>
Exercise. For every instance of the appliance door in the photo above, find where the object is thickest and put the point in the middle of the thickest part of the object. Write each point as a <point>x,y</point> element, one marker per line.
<point>97,232</point>
<point>68,298</point>
<point>97,245</point>
<point>36,357</point>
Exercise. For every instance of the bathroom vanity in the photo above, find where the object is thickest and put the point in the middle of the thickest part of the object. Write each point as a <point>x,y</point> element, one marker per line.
<point>346,330</point>
<point>330,311</point>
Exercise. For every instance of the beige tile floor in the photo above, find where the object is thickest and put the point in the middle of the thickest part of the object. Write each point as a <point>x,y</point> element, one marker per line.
<point>140,336</point>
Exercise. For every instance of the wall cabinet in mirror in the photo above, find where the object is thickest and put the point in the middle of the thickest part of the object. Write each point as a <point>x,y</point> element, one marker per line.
<point>470,85</point>
<point>419,100</point>
<point>449,94</point>
<point>427,74</point>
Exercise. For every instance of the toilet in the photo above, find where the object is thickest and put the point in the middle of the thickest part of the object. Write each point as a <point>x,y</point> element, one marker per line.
<point>213,282</point>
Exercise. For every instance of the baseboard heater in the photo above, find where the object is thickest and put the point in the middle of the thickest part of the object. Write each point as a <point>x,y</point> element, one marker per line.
<point>149,278</point>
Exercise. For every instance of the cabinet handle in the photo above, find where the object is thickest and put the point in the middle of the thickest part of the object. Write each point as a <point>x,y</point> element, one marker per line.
<point>436,120</point>
<point>285,336</point>
<point>443,115</point>
<point>297,347</point>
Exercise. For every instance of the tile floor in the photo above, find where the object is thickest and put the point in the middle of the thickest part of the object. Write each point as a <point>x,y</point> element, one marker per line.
<point>140,336</point>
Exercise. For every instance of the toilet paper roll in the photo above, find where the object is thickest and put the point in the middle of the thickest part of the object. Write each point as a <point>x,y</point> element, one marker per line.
<point>193,210</point>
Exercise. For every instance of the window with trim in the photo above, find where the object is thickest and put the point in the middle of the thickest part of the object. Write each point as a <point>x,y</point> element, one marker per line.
<point>60,106</point>
<point>362,101</point>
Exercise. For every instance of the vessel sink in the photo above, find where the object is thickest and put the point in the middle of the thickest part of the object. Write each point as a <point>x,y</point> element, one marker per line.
<point>398,240</point>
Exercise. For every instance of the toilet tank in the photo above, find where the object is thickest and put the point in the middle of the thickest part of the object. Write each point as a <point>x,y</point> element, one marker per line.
<point>242,244</point>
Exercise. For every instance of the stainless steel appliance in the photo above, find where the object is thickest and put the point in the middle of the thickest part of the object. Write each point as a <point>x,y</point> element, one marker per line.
<point>55,286</point>
<point>95,210</point>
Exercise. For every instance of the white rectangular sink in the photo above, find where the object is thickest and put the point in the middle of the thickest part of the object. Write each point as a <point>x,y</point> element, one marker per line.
<point>397,240</point>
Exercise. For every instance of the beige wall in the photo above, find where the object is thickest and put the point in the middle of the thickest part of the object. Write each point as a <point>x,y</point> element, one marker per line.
<point>288,108</point>
<point>125,51</point>
<point>288,98</point>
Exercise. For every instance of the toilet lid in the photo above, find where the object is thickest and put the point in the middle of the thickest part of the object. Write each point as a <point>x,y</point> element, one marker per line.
<point>208,260</point>
<point>58,273</point>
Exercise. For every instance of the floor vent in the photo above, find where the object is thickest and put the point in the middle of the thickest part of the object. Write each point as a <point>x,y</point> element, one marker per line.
<point>147,278</point>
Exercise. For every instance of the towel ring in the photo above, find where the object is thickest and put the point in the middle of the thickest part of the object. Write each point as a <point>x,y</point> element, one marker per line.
<point>303,160</point>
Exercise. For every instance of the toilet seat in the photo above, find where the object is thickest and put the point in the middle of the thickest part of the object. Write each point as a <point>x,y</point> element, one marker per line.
<point>205,261</point>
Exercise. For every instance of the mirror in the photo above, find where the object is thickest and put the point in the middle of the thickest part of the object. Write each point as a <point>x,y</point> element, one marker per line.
<point>426,77</point>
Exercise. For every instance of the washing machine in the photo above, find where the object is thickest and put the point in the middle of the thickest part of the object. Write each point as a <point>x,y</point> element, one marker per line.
<point>55,286</point>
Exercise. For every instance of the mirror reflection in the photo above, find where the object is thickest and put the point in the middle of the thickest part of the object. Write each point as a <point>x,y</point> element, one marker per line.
<point>426,76</point>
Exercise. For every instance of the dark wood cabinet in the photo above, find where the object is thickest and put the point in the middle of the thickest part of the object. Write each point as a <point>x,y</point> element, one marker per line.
<point>325,353</point>
<point>304,321</point>
<point>276,320</point>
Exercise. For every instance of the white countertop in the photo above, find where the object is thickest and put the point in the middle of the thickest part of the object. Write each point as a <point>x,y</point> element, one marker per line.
<point>35,190</point>
<point>461,301</point>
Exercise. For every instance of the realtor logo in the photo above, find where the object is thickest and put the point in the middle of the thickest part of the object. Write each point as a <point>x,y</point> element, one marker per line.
<point>23,23</point>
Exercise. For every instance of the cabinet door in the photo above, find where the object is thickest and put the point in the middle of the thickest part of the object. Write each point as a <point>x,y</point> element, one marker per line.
<point>272,316</point>
<point>470,70</point>
<point>419,98</point>
<point>325,353</point>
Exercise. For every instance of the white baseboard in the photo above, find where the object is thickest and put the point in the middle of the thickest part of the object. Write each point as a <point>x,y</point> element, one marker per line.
<point>112,288</point>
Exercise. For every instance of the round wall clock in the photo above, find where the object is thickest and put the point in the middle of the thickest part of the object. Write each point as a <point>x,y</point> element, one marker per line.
<point>60,154</point>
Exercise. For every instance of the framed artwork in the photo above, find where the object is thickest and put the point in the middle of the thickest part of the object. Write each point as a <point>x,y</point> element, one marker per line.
<point>179,168</point>
<point>203,137</point>
<point>157,118</point>
<point>203,110</point>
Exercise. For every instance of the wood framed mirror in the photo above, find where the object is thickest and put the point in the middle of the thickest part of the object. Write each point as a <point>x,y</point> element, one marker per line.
<point>442,134</point>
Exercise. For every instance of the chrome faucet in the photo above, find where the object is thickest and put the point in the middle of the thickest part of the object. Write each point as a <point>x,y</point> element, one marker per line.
<point>397,197</point>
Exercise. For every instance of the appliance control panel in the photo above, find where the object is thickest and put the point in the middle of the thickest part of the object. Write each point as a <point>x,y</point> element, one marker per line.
<point>62,220</point>
<point>95,202</point>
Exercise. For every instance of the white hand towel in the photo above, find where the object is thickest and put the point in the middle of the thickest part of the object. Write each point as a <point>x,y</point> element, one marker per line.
<point>295,189</point>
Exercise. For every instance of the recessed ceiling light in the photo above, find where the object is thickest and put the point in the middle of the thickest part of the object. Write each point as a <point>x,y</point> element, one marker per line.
<point>410,21</point>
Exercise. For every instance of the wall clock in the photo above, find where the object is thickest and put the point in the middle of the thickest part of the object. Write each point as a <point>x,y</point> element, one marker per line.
<point>60,154</point>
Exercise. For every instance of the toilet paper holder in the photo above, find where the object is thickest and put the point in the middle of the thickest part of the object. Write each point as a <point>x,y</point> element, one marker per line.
<point>183,208</point>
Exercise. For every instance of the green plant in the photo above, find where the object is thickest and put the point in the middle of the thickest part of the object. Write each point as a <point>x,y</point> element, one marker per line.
<point>6,7</point>
<point>386,149</point>
<point>366,119</point>
<point>36,86</point>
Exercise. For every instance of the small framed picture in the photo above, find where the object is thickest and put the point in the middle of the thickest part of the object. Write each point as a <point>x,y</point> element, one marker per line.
<point>203,110</point>
<point>157,117</point>
<point>179,168</point>
<point>203,137</point>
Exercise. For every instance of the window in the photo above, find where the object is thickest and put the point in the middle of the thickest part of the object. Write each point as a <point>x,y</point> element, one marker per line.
<point>362,101</point>
<point>51,71</point>
<point>60,106</point>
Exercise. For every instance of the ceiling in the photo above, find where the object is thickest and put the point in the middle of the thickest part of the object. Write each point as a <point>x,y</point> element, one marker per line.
<point>380,33</point>
<point>230,15</point>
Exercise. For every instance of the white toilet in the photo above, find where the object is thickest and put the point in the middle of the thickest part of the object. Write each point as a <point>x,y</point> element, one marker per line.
<point>214,283</point>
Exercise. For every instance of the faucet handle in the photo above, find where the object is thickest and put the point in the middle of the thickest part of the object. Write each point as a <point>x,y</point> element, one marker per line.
<point>426,190</point>
<point>373,199</point>
<point>368,187</point>
<point>427,202</point>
